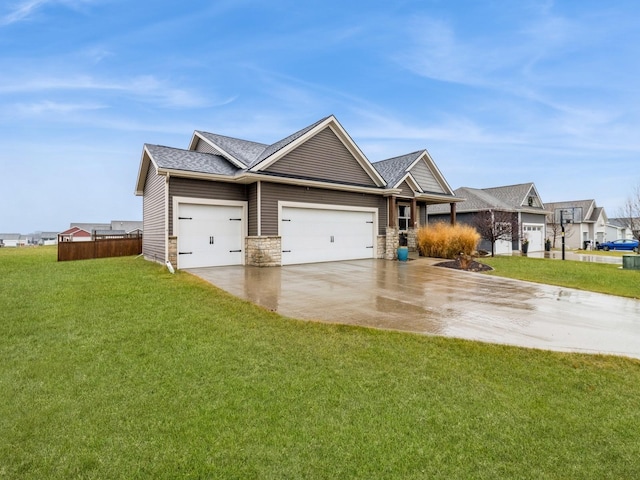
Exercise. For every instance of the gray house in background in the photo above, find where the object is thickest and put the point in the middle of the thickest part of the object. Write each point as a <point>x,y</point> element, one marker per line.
<point>310,197</point>
<point>588,224</point>
<point>520,203</point>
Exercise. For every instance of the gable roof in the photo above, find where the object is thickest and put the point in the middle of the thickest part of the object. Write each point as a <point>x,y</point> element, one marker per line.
<point>420,172</point>
<point>510,198</point>
<point>232,159</point>
<point>587,207</point>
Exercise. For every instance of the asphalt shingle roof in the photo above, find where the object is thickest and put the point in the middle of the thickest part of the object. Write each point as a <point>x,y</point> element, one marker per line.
<point>179,159</point>
<point>393,169</point>
<point>243,150</point>
<point>508,198</point>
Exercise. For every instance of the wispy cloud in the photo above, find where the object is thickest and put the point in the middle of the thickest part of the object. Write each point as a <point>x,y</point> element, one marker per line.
<point>48,107</point>
<point>144,87</point>
<point>24,9</point>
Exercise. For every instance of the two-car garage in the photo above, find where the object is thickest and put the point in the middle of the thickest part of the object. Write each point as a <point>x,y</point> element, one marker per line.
<point>212,233</point>
<point>326,234</point>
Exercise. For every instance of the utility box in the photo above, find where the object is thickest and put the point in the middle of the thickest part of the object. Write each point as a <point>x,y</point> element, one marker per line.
<point>631,262</point>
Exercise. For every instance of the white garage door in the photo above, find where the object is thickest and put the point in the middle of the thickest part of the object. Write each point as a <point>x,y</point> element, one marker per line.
<point>209,235</point>
<point>318,235</point>
<point>534,233</point>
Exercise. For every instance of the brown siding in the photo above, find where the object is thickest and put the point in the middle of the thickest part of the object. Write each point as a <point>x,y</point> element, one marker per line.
<point>153,242</point>
<point>185,187</point>
<point>252,196</point>
<point>425,178</point>
<point>323,157</point>
<point>272,193</point>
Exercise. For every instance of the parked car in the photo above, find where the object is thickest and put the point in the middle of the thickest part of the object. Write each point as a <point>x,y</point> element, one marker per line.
<point>624,244</point>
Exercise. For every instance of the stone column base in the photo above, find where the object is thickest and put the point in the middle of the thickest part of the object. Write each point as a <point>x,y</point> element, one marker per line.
<point>263,251</point>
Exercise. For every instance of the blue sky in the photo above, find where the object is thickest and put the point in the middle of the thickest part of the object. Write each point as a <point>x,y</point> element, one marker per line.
<point>499,92</point>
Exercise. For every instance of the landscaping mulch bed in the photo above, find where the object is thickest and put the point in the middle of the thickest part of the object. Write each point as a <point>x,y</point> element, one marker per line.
<point>472,267</point>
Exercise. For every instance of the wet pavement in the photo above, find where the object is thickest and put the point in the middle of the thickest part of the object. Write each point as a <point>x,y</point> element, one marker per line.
<point>583,256</point>
<point>415,296</point>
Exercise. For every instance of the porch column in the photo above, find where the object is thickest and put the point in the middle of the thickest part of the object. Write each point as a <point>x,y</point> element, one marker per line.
<point>392,211</point>
<point>414,213</point>
<point>453,213</point>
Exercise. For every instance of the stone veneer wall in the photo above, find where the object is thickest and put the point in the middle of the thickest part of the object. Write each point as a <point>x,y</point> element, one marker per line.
<point>263,251</point>
<point>391,244</point>
<point>173,250</point>
<point>381,246</point>
<point>412,242</point>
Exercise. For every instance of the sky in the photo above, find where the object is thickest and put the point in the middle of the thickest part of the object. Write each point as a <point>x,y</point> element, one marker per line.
<point>499,92</point>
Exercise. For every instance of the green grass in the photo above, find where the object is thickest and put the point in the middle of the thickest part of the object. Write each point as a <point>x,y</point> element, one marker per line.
<point>114,368</point>
<point>595,277</point>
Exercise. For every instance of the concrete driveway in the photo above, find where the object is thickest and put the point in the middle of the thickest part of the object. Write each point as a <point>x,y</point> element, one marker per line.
<point>417,297</point>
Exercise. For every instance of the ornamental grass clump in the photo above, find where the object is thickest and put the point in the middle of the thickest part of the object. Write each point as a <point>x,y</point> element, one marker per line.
<point>441,240</point>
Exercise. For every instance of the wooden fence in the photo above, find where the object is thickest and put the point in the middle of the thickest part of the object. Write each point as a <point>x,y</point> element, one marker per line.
<point>112,247</point>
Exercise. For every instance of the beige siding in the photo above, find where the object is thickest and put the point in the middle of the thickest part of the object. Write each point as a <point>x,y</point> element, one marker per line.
<point>153,241</point>
<point>407,191</point>
<point>425,178</point>
<point>184,187</point>
<point>204,147</point>
<point>272,193</point>
<point>322,157</point>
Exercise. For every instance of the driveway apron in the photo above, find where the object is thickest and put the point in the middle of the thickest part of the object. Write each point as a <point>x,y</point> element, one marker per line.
<point>416,296</point>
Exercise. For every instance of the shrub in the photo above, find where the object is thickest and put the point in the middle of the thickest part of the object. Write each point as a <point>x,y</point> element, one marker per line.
<point>442,240</point>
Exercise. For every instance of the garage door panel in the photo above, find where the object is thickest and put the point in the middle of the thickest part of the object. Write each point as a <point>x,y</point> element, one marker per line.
<point>319,235</point>
<point>209,235</point>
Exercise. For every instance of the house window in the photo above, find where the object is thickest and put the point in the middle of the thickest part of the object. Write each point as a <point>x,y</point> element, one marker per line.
<point>404,217</point>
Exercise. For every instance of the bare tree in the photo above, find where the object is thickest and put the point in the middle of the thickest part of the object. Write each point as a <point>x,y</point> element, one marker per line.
<point>631,212</point>
<point>494,225</point>
<point>555,229</point>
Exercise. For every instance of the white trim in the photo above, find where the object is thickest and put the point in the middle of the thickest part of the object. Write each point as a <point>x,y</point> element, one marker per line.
<point>224,153</point>
<point>213,202</point>
<point>332,123</point>
<point>166,218</point>
<point>248,178</point>
<point>259,207</point>
<point>413,184</point>
<point>431,164</point>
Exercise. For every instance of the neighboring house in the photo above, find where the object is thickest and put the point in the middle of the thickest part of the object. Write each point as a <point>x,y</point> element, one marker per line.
<point>117,228</point>
<point>587,223</point>
<point>129,226</point>
<point>11,239</point>
<point>520,204</point>
<point>310,197</point>
<point>619,228</point>
<point>74,234</point>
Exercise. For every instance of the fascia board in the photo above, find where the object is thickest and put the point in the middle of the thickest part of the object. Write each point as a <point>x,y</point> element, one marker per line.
<point>436,197</point>
<point>434,168</point>
<point>224,153</point>
<point>248,178</point>
<point>411,181</point>
<point>330,122</point>
<point>267,162</point>
<point>145,162</point>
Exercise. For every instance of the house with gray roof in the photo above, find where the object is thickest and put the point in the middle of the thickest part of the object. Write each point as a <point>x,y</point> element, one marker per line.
<point>585,223</point>
<point>312,196</point>
<point>518,205</point>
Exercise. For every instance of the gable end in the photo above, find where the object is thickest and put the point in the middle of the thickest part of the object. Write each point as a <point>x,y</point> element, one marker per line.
<point>322,157</point>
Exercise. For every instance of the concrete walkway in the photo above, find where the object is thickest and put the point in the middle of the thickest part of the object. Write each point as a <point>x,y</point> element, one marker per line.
<point>417,297</point>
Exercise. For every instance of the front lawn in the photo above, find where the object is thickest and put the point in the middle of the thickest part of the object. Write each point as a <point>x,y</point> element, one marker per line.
<point>115,368</point>
<point>595,277</point>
